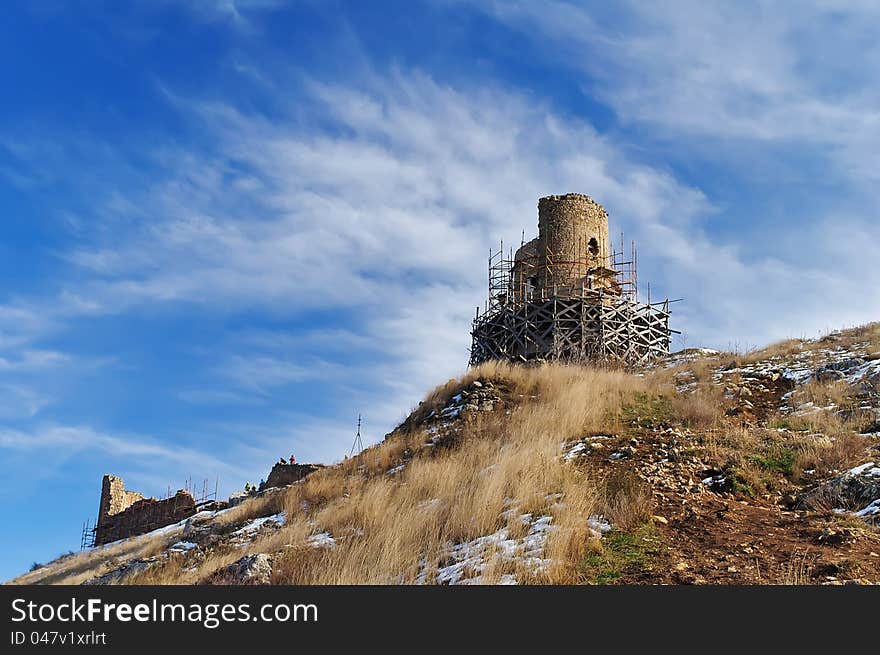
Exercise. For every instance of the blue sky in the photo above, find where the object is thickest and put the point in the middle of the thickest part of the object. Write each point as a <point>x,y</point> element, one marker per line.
<point>226,228</point>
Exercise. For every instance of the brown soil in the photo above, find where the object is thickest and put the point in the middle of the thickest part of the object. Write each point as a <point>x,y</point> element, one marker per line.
<point>720,538</point>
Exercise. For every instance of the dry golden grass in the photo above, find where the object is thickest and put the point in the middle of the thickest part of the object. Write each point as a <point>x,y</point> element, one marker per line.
<point>780,349</point>
<point>825,455</point>
<point>83,566</point>
<point>799,569</point>
<point>823,394</point>
<point>625,500</point>
<point>701,409</point>
<point>259,506</point>
<point>865,335</point>
<point>500,465</point>
<point>835,410</point>
<point>392,529</point>
<point>755,459</point>
<point>765,459</point>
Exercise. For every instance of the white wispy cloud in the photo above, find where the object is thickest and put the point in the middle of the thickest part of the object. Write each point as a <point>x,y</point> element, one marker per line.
<point>388,211</point>
<point>263,372</point>
<point>33,359</point>
<point>236,12</point>
<point>21,324</point>
<point>780,97</point>
<point>381,211</point>
<point>758,70</point>
<point>214,396</point>
<point>61,442</point>
<point>20,401</point>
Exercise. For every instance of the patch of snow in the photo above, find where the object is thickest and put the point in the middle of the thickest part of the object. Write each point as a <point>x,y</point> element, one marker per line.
<point>867,369</point>
<point>255,525</point>
<point>689,355</point>
<point>451,412</point>
<point>397,469</point>
<point>575,451</point>
<point>195,518</point>
<point>599,524</point>
<point>867,468</point>
<point>322,540</point>
<point>468,560</point>
<point>870,510</point>
<point>808,409</point>
<point>716,481</point>
<point>578,448</point>
<point>182,547</point>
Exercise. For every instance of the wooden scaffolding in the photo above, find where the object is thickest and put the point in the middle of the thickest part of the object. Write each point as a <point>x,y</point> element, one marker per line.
<point>541,308</point>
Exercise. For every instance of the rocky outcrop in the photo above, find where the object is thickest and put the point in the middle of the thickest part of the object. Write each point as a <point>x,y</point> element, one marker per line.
<point>250,569</point>
<point>129,568</point>
<point>282,475</point>
<point>857,489</point>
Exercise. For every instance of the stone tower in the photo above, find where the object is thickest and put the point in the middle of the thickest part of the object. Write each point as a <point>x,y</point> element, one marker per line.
<point>572,250</point>
<point>568,295</point>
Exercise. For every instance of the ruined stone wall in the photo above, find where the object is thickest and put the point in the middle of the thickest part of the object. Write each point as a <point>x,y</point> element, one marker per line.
<point>126,513</point>
<point>114,496</point>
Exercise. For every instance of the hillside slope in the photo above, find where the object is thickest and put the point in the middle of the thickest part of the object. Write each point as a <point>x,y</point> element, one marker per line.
<point>711,468</point>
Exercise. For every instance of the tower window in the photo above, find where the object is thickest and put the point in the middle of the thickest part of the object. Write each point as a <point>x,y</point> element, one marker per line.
<point>594,247</point>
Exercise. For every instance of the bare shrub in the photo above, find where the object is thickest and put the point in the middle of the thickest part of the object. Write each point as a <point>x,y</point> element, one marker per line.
<point>626,500</point>
<point>701,409</point>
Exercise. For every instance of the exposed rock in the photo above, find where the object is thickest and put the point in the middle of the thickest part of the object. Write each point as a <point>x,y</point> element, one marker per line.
<point>250,569</point>
<point>282,475</point>
<point>854,490</point>
<point>836,537</point>
<point>127,569</point>
<point>844,365</point>
<point>829,375</point>
<point>238,498</point>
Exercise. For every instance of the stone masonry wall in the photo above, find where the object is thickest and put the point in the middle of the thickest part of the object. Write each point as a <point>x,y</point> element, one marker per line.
<point>114,496</point>
<point>126,513</point>
<point>571,228</point>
